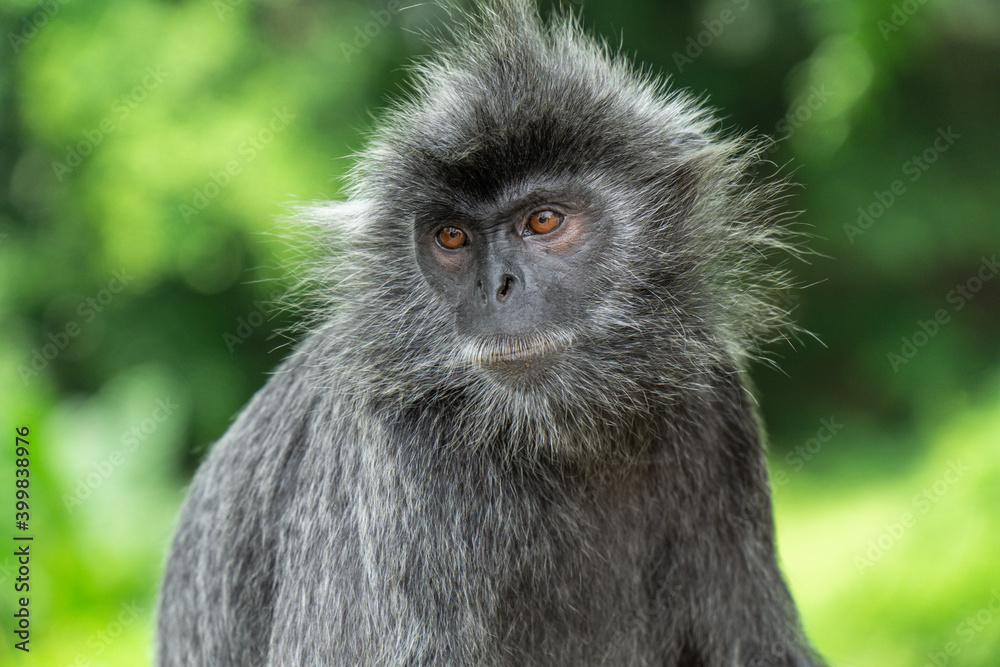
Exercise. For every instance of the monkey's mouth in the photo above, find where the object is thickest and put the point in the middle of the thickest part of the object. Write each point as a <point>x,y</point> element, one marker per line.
<point>502,350</point>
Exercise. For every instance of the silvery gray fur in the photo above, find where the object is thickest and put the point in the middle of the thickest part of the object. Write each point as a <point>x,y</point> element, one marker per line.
<point>391,498</point>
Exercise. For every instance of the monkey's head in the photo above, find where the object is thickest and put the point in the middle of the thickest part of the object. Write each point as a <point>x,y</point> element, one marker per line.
<point>545,238</point>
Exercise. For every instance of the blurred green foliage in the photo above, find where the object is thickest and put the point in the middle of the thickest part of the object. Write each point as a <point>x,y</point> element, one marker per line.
<point>149,147</point>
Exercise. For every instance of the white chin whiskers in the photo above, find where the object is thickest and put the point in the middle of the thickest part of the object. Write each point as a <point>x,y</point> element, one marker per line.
<point>501,349</point>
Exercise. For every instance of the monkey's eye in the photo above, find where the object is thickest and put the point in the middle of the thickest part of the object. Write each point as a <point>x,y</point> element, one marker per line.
<point>451,238</point>
<point>543,222</point>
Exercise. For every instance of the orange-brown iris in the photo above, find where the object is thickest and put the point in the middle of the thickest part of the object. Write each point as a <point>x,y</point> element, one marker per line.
<point>543,222</point>
<point>451,238</point>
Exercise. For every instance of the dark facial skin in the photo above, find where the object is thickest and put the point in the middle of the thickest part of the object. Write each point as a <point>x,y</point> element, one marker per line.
<point>513,270</point>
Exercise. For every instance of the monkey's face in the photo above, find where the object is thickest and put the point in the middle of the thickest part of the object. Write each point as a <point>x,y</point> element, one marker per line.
<point>517,272</point>
<point>548,237</point>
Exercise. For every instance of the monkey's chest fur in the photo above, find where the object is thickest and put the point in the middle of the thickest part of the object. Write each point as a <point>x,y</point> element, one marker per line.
<point>460,556</point>
<point>529,566</point>
<point>321,533</point>
<point>317,533</point>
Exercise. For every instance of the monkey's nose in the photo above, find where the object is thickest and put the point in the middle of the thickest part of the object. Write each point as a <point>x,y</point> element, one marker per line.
<point>505,285</point>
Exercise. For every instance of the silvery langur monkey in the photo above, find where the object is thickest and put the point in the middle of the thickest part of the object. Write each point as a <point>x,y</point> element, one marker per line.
<point>520,435</point>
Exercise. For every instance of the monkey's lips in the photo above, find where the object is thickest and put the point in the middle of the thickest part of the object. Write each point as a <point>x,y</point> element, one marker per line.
<point>506,350</point>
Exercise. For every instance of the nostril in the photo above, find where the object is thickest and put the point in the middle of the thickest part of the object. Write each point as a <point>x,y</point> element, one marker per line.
<point>506,286</point>
<point>480,291</point>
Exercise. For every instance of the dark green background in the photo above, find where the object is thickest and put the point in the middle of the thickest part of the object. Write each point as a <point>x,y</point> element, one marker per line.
<point>160,323</point>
